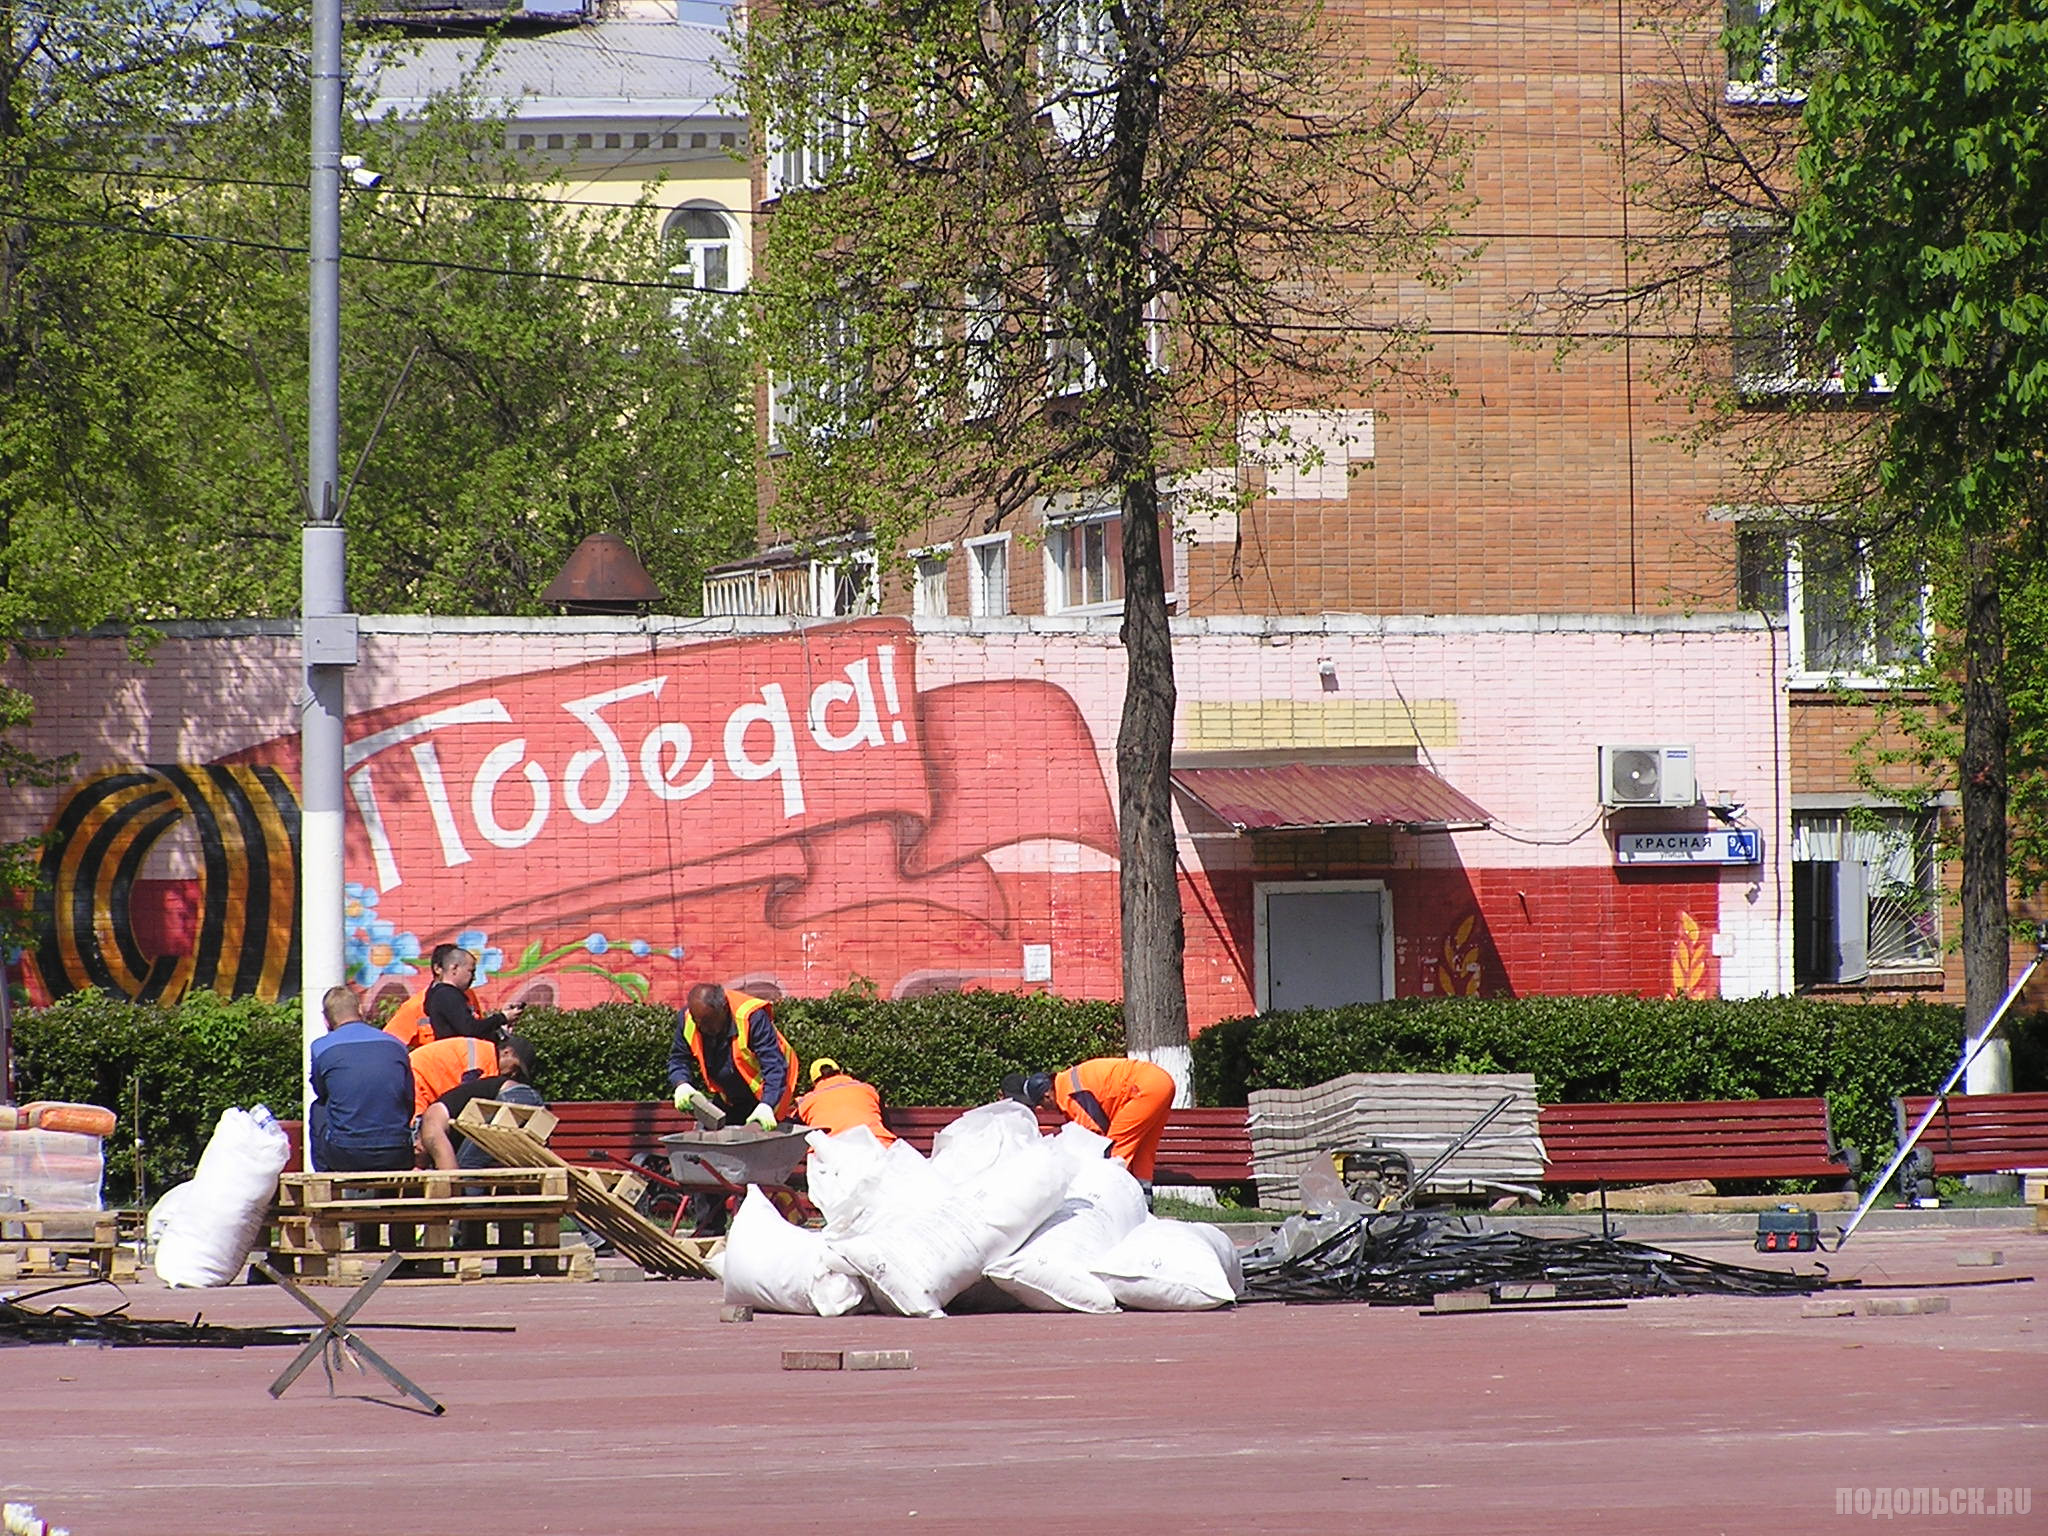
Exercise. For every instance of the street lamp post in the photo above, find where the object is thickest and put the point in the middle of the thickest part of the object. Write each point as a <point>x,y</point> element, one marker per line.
<point>327,627</point>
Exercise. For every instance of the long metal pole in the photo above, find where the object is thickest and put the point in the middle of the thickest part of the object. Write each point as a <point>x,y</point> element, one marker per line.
<point>323,600</point>
<point>1941,1095</point>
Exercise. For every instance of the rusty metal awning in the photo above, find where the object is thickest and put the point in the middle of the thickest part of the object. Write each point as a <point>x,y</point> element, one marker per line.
<point>1305,796</point>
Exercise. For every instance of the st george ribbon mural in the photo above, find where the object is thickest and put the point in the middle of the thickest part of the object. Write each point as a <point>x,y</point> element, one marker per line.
<point>788,809</point>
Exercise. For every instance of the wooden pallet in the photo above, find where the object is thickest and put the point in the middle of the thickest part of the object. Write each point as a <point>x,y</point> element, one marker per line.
<point>471,1224</point>
<point>602,1199</point>
<point>42,1245</point>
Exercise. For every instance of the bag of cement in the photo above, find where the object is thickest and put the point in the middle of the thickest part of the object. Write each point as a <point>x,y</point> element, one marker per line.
<point>52,1170</point>
<point>773,1266</point>
<point>1053,1270</point>
<point>206,1228</point>
<point>854,1179</point>
<point>919,1247</point>
<point>1173,1266</point>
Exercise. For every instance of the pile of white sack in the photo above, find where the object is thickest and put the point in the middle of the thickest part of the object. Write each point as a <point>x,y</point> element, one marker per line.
<point>1048,1221</point>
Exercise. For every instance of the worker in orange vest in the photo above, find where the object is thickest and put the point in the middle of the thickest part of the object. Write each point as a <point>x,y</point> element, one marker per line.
<point>839,1101</point>
<point>1114,1096</point>
<point>448,1006</point>
<point>728,1051</point>
<point>439,1065</point>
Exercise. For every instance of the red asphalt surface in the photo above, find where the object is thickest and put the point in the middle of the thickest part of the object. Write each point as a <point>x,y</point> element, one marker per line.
<point>619,1408</point>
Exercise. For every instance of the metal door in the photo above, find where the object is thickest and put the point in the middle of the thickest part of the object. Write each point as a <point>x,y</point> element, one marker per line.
<point>1322,945</point>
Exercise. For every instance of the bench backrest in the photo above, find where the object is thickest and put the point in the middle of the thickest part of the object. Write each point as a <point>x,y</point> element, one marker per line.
<point>1200,1146</point>
<point>1711,1139</point>
<point>1980,1132</point>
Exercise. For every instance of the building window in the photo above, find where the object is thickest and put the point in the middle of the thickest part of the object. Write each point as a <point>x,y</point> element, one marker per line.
<point>988,576</point>
<point>806,152</point>
<point>845,588</point>
<point>1078,56</point>
<point>1760,67</point>
<point>978,335</point>
<point>700,243</point>
<point>1853,614</point>
<point>928,596</point>
<point>835,398</point>
<point>1071,364</point>
<point>1084,563</point>
<point>1866,894</point>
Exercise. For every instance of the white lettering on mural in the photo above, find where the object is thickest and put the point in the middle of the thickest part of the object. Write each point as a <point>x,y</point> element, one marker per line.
<point>501,760</point>
<point>760,743</point>
<point>867,723</point>
<point>427,758</point>
<point>773,712</point>
<point>618,777</point>
<point>675,738</point>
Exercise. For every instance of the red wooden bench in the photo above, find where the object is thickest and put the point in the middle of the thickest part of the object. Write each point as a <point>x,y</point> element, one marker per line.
<point>1978,1132</point>
<point>1591,1144</point>
<point>1200,1146</point>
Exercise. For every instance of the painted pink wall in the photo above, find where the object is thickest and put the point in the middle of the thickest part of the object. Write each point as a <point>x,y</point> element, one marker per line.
<point>620,808</point>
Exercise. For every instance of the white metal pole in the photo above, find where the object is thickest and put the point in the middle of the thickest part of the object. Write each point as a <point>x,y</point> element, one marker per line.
<point>327,629</point>
<point>1970,1054</point>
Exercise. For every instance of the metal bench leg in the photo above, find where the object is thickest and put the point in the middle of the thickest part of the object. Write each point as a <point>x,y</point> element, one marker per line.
<point>334,1329</point>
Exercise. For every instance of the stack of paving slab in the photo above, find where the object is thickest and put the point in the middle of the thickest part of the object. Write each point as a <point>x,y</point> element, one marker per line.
<point>1421,1113</point>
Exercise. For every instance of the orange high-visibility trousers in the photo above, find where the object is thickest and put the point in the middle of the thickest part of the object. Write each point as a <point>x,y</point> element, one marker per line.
<point>1127,1101</point>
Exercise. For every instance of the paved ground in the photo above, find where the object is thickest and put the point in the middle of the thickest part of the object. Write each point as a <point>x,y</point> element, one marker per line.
<point>624,1408</point>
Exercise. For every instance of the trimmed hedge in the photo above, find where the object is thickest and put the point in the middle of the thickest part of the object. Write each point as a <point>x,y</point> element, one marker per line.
<point>208,1053</point>
<point>193,1061</point>
<point>1592,1049</point>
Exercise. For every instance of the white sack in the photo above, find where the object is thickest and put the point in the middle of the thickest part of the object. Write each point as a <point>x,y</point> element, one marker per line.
<point>1053,1271</point>
<point>864,1188</point>
<point>52,1170</point>
<point>204,1235</point>
<point>773,1266</point>
<point>1173,1266</point>
<point>925,1239</point>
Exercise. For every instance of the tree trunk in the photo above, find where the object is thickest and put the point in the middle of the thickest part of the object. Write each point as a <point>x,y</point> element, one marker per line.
<point>1987,729</point>
<point>1155,988</point>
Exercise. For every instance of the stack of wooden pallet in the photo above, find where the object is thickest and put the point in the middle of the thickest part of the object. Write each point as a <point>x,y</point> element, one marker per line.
<point>36,1245</point>
<point>604,1201</point>
<point>483,1224</point>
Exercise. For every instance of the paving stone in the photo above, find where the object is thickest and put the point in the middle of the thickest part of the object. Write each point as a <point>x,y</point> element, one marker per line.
<point>1828,1306</point>
<point>1980,1258</point>
<point>1903,1306</point>
<point>813,1359</point>
<point>878,1360</point>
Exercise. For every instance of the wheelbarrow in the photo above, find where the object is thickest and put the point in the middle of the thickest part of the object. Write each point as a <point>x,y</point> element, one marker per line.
<point>721,1164</point>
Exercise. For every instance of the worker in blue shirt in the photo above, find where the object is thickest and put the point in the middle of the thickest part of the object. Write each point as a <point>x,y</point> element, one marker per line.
<point>362,1085</point>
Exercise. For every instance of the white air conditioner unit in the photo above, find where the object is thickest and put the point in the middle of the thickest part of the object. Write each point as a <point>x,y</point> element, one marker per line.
<point>1647,776</point>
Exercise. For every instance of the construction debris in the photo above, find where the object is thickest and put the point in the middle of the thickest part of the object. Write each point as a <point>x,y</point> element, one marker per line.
<point>1403,1258</point>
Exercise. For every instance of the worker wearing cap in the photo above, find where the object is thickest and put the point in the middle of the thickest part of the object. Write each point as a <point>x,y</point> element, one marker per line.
<point>728,1051</point>
<point>839,1101</point>
<point>1114,1096</point>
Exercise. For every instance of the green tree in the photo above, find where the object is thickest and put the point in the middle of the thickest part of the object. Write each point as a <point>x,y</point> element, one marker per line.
<point>514,376</point>
<point>1048,249</point>
<point>1920,243</point>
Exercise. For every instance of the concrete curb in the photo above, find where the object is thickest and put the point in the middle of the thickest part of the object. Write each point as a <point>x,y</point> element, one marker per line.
<point>1702,1226</point>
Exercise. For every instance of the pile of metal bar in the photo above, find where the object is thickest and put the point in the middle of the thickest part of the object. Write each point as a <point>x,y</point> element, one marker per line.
<point>1407,1258</point>
<point>60,1324</point>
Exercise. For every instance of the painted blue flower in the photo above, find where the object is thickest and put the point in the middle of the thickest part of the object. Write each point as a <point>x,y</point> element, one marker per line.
<point>359,901</point>
<point>640,947</point>
<point>597,944</point>
<point>375,948</point>
<point>489,959</point>
<point>677,953</point>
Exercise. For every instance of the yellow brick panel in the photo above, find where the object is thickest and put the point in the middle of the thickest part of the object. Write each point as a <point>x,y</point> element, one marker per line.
<point>1264,723</point>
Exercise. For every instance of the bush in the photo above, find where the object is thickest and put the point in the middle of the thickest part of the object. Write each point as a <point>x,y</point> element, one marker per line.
<point>183,1066</point>
<point>1591,1049</point>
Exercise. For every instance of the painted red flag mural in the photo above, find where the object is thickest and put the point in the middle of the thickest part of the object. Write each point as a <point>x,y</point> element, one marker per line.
<point>785,810</point>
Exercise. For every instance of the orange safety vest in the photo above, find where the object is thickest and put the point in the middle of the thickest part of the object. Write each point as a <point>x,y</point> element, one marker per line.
<point>839,1103</point>
<point>439,1065</point>
<point>409,1021</point>
<point>743,1010</point>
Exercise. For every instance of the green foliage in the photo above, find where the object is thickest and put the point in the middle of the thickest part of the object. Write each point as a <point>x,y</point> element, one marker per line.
<point>612,1051</point>
<point>1591,1049</point>
<point>185,1065</point>
<point>513,378</point>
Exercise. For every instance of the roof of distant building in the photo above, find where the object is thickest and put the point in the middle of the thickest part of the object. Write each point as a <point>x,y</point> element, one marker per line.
<point>654,69</point>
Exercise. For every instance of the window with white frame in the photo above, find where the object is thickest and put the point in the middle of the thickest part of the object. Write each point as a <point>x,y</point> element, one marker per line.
<point>1071,366</point>
<point>1775,338</point>
<point>1760,67</point>
<point>988,576</point>
<point>700,244</point>
<point>928,594</point>
<point>928,364</point>
<point>1078,53</point>
<point>1084,558</point>
<point>978,335</point>
<point>832,400</point>
<point>1853,614</point>
<point>1866,893</point>
<point>844,585</point>
<point>805,152</point>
